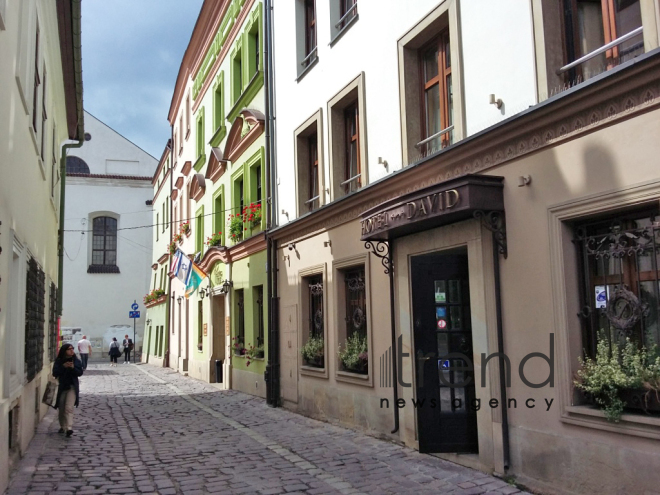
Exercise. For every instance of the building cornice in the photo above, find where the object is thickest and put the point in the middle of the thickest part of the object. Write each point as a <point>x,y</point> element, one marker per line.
<point>615,96</point>
<point>224,254</point>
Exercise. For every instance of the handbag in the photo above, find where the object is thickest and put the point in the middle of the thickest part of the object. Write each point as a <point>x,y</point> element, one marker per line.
<point>50,394</point>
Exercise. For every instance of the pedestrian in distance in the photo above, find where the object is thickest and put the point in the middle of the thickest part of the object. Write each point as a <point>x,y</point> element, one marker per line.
<point>114,352</point>
<point>128,347</point>
<point>85,350</point>
<point>67,368</point>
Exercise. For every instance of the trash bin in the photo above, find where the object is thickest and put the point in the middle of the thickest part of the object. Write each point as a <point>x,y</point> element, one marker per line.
<point>218,371</point>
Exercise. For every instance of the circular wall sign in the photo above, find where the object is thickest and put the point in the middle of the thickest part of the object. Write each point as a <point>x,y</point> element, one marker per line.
<point>442,324</point>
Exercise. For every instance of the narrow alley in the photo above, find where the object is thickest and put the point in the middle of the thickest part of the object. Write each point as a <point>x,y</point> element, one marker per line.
<point>142,429</point>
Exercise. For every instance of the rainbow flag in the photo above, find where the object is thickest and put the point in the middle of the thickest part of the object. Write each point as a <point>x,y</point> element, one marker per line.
<point>194,279</point>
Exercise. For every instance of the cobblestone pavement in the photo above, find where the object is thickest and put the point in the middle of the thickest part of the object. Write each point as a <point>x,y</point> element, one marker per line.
<point>142,429</point>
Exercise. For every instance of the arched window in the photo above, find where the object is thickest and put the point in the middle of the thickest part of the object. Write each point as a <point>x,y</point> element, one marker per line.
<point>76,165</point>
<point>104,246</point>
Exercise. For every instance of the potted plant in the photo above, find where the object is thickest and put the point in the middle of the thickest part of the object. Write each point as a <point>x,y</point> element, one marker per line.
<point>252,215</point>
<point>185,228</point>
<point>253,352</point>
<point>153,295</point>
<point>621,377</point>
<point>178,238</point>
<point>214,239</point>
<point>238,347</point>
<point>171,247</point>
<point>313,352</point>
<point>355,357</point>
<point>235,223</point>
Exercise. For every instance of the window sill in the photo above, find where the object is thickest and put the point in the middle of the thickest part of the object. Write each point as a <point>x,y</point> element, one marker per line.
<point>103,269</point>
<point>218,136</point>
<point>199,163</point>
<point>248,94</point>
<point>307,69</point>
<point>630,424</point>
<point>313,371</point>
<point>355,378</point>
<point>346,27</point>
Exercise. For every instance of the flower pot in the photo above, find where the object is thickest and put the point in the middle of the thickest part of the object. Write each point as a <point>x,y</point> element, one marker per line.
<point>317,362</point>
<point>641,399</point>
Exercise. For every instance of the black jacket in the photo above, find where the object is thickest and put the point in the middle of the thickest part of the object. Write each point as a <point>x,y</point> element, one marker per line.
<point>67,377</point>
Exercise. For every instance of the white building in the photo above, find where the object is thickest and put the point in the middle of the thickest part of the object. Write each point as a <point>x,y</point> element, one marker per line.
<point>107,240</point>
<point>40,109</point>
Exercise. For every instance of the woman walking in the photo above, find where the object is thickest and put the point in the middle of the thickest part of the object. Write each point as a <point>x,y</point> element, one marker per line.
<point>114,351</point>
<point>67,369</point>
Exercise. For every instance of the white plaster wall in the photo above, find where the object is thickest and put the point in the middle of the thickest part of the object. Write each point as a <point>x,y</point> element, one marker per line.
<point>496,53</point>
<point>109,152</point>
<point>97,303</point>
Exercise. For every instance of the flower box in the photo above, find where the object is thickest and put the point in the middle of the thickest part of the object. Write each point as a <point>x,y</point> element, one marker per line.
<point>156,302</point>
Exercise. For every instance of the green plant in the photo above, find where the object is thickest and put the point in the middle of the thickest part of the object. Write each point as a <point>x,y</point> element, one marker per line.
<point>239,348</point>
<point>178,238</point>
<point>313,352</point>
<point>153,295</point>
<point>235,224</point>
<point>253,352</point>
<point>252,215</point>
<point>616,369</point>
<point>354,356</point>
<point>214,239</point>
<point>185,228</point>
<point>171,247</point>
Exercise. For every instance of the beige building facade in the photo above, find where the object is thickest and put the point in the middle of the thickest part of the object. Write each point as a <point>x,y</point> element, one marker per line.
<point>493,241</point>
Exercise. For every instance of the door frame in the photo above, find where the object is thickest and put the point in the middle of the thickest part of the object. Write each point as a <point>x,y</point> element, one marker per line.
<point>478,240</point>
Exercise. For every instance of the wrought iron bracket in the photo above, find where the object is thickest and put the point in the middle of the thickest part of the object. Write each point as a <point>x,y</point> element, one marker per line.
<point>494,221</point>
<point>381,249</point>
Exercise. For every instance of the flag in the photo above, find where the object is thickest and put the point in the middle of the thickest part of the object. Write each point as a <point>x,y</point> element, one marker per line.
<point>184,269</point>
<point>195,278</point>
<point>176,262</point>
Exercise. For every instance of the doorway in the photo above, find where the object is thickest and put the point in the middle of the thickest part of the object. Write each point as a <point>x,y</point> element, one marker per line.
<point>445,393</point>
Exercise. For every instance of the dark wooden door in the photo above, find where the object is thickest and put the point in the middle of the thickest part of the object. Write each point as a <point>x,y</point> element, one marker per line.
<point>446,416</point>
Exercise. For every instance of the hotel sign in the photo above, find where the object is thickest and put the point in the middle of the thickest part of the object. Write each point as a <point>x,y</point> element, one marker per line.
<point>441,204</point>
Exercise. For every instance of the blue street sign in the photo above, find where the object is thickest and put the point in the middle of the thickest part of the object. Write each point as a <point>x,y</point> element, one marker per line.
<point>133,314</point>
<point>134,306</point>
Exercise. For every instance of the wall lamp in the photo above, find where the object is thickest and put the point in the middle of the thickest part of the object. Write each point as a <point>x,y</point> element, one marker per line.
<point>226,285</point>
<point>179,299</point>
<point>495,101</point>
<point>148,322</point>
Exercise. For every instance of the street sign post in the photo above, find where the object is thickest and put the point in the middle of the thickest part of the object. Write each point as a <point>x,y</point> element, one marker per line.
<point>134,314</point>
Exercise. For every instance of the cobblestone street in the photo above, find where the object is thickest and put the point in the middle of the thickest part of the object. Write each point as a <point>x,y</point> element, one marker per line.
<point>141,429</point>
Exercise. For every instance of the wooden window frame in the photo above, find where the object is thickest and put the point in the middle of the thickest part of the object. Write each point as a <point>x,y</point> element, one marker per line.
<point>258,293</point>
<point>310,28</point>
<point>44,115</point>
<point>313,172</point>
<point>312,273</point>
<point>240,316</point>
<point>442,43</point>
<point>37,80</point>
<point>303,135</point>
<point>344,7</point>
<point>200,326</point>
<point>352,117</point>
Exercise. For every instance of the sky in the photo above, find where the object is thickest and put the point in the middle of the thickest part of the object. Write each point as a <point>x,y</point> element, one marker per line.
<point>131,51</point>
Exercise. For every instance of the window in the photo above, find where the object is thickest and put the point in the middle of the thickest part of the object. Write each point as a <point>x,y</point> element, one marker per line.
<point>181,131</point>
<point>343,14</point>
<point>353,330</point>
<point>199,230</point>
<point>35,308</point>
<point>157,224</point>
<point>352,174</point>
<point>167,212</point>
<point>236,76</point>
<point>164,217</point>
<point>240,320</point>
<point>219,216</point>
<point>44,117</point>
<point>348,149</point>
<point>174,144</point>
<point>240,196</point>
<point>200,134</point>
<point>429,68</point>
<point>437,91</point>
<point>37,81</point>
<point>253,50</point>
<point>310,32</point>
<point>590,24</point>
<point>619,258</point>
<point>76,165</point>
<point>104,244</point>
<point>258,294</point>
<point>200,326</point>
<point>54,170</point>
<point>313,321</point>
<point>309,165</point>
<point>257,174</point>
<point>218,106</point>
<point>187,116</point>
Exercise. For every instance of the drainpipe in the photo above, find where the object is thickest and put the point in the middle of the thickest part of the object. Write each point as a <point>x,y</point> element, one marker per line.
<point>500,349</point>
<point>77,55</point>
<point>272,368</point>
<point>170,305</point>
<point>395,376</point>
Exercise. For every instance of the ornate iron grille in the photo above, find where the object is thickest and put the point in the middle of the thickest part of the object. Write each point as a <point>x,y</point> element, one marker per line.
<point>34,319</point>
<point>52,323</point>
<point>619,260</point>
<point>260,316</point>
<point>316,306</point>
<point>356,306</point>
